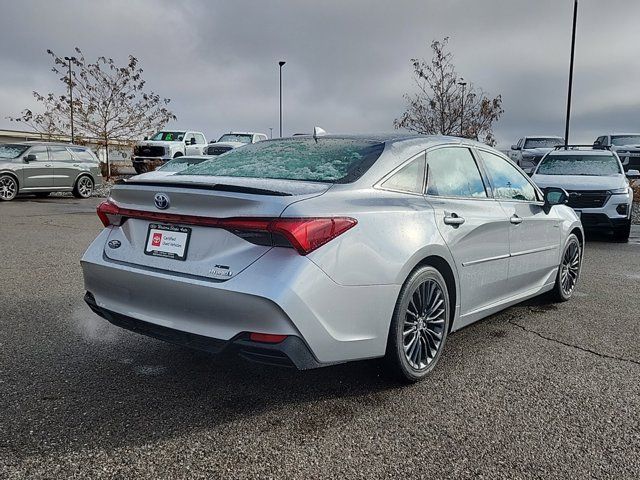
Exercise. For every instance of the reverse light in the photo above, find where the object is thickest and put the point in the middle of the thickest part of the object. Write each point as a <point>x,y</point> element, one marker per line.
<point>303,234</point>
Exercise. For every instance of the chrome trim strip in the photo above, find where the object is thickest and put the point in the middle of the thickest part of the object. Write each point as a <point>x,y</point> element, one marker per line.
<point>502,257</point>
<point>534,250</point>
<point>483,260</point>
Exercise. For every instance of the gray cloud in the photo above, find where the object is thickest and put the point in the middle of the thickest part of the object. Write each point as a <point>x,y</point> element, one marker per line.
<point>347,62</point>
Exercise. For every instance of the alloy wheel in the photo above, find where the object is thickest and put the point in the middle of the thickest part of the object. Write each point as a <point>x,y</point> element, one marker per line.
<point>424,324</point>
<point>85,187</point>
<point>570,268</point>
<point>8,188</point>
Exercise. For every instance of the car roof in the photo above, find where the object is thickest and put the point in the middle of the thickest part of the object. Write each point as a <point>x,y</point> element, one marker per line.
<point>570,152</point>
<point>50,144</point>
<point>624,134</point>
<point>544,136</point>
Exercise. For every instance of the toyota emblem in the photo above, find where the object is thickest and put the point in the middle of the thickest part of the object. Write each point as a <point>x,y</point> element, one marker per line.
<point>162,201</point>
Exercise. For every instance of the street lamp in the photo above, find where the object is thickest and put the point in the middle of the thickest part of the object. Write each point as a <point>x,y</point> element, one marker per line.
<point>573,49</point>
<point>281,63</point>
<point>463,84</point>
<point>69,60</point>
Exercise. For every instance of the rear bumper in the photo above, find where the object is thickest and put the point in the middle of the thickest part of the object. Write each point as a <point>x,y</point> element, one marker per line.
<point>280,293</point>
<point>292,351</point>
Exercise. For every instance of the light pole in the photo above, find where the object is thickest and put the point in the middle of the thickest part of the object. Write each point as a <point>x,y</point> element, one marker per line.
<point>281,63</point>
<point>573,49</point>
<point>463,84</point>
<point>69,60</point>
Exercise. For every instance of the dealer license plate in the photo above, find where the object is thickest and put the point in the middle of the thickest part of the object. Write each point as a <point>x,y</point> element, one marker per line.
<point>167,241</point>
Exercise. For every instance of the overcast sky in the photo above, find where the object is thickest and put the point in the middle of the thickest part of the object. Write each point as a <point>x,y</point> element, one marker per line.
<point>347,61</point>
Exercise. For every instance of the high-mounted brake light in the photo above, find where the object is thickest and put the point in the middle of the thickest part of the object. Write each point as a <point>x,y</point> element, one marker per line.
<point>303,234</point>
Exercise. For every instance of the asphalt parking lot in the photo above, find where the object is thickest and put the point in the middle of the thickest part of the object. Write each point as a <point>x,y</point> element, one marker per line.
<point>539,390</point>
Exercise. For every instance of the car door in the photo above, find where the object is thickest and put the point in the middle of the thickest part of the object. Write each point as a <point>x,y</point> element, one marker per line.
<point>189,148</point>
<point>534,235</point>
<point>37,174</point>
<point>65,168</point>
<point>473,225</point>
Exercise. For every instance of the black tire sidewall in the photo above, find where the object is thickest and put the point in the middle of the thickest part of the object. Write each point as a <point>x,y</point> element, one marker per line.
<point>395,347</point>
<point>559,293</point>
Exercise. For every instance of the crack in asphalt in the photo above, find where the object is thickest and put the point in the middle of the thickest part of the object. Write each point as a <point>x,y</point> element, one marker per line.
<point>577,347</point>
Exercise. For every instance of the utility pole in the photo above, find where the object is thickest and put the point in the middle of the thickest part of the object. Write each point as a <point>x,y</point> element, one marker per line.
<point>463,84</point>
<point>573,49</point>
<point>281,63</point>
<point>69,59</point>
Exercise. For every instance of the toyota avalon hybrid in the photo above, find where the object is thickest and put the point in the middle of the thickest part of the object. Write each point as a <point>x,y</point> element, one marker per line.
<point>315,250</point>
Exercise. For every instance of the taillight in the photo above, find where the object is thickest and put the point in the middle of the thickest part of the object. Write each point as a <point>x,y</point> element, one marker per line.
<point>266,337</point>
<point>105,209</point>
<point>303,234</point>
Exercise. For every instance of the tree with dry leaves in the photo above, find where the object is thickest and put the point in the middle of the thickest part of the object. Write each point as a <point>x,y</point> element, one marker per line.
<point>442,106</point>
<point>110,103</point>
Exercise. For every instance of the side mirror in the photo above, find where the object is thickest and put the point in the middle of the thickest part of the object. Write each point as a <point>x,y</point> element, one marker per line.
<point>554,196</point>
<point>192,141</point>
<point>515,147</point>
<point>633,174</point>
<point>29,158</point>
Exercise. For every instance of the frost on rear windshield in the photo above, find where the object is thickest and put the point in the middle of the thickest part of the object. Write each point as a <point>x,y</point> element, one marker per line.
<point>336,160</point>
<point>597,165</point>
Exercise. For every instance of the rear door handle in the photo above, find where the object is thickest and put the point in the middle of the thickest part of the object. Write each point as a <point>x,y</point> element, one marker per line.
<point>453,219</point>
<point>76,164</point>
<point>515,219</point>
<point>47,164</point>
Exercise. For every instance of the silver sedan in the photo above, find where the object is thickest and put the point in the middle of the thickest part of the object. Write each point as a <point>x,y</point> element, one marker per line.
<point>316,250</point>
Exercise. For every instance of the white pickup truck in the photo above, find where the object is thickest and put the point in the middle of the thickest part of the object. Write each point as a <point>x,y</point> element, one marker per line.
<point>232,140</point>
<point>166,145</point>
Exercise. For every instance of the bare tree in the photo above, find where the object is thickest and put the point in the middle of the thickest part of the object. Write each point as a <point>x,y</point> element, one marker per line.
<point>109,102</point>
<point>443,106</point>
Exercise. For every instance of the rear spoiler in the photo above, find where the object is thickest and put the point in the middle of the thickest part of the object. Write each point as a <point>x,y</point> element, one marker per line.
<point>219,187</point>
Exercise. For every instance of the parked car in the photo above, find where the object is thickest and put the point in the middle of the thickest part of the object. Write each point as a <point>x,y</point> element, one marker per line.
<point>626,145</point>
<point>530,150</point>
<point>232,140</point>
<point>173,166</point>
<point>597,187</point>
<point>41,168</point>
<point>166,145</point>
<point>351,249</point>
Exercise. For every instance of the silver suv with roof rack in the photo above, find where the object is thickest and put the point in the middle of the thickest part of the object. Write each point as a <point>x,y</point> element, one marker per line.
<point>41,168</point>
<point>598,189</point>
<point>626,145</point>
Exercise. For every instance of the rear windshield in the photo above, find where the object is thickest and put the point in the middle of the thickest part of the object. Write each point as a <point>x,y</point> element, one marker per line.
<point>179,164</point>
<point>595,165</point>
<point>233,137</point>
<point>334,160</point>
<point>12,151</point>
<point>542,142</point>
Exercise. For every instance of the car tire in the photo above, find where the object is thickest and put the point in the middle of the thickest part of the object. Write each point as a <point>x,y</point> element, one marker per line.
<point>178,154</point>
<point>83,187</point>
<point>140,168</point>
<point>419,326</point>
<point>42,194</point>
<point>8,188</point>
<point>568,270</point>
<point>621,234</point>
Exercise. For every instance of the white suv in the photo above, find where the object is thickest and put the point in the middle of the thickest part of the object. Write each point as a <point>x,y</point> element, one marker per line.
<point>598,189</point>
<point>166,145</point>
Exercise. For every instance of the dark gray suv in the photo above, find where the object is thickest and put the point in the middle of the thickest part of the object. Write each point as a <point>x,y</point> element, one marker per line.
<point>41,168</point>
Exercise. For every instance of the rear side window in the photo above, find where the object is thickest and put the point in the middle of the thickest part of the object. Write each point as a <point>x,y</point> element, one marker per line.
<point>452,172</point>
<point>59,154</point>
<point>409,178</point>
<point>81,154</point>
<point>335,160</point>
<point>508,182</point>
